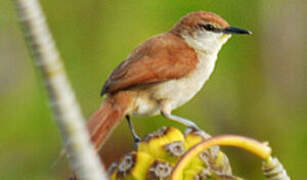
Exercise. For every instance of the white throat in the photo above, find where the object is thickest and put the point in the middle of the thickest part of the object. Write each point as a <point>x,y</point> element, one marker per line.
<point>207,45</point>
<point>207,42</point>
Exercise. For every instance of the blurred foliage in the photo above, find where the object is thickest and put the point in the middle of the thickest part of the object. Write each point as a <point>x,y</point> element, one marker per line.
<point>258,89</point>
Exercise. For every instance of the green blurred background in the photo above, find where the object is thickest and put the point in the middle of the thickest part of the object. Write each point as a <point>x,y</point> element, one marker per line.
<point>259,87</point>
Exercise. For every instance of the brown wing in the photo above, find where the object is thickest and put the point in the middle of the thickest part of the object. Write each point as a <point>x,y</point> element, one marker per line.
<point>160,58</point>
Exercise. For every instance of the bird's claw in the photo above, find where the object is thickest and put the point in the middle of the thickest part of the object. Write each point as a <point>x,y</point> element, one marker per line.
<point>137,141</point>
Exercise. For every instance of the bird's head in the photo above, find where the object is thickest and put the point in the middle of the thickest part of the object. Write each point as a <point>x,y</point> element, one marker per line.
<point>205,30</point>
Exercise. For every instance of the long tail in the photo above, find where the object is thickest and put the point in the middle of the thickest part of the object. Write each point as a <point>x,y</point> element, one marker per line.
<point>108,116</point>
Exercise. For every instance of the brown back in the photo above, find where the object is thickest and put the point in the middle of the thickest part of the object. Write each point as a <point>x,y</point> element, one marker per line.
<point>158,59</point>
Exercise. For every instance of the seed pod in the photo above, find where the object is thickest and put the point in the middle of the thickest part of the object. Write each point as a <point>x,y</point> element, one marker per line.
<point>274,170</point>
<point>160,151</point>
<point>167,154</point>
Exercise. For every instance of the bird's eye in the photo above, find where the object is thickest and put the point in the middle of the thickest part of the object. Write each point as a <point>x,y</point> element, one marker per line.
<point>208,27</point>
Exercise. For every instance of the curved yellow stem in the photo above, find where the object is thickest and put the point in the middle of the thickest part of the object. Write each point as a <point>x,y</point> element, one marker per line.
<point>261,150</point>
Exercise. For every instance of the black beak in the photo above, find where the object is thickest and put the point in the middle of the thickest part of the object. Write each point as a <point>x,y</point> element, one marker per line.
<point>235,30</point>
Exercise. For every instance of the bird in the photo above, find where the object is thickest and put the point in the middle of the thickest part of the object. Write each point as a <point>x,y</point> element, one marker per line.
<point>161,74</point>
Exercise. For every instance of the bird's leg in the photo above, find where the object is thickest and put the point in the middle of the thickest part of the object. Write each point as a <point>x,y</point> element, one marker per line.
<point>136,138</point>
<point>180,120</point>
<point>166,112</point>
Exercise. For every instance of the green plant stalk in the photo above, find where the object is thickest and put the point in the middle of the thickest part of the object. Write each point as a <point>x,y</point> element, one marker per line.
<point>68,116</point>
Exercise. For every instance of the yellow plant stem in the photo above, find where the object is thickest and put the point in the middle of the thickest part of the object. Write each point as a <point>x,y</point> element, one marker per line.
<point>262,150</point>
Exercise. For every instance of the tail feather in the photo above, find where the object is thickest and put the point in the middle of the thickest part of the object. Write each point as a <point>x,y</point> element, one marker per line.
<point>107,117</point>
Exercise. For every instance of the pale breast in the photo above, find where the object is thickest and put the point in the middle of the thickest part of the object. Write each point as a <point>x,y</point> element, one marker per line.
<point>179,91</point>
<point>176,92</point>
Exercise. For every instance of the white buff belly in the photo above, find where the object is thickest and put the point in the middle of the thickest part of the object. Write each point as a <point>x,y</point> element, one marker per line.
<point>175,92</point>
